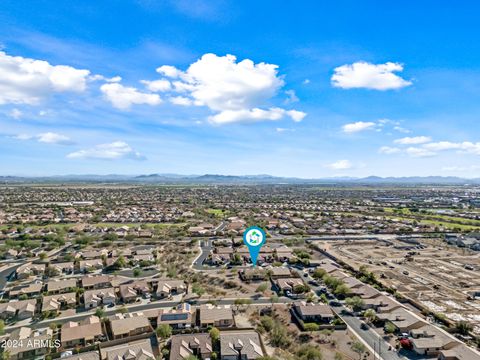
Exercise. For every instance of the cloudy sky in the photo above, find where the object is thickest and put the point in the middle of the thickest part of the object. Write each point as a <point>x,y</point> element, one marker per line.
<point>304,89</point>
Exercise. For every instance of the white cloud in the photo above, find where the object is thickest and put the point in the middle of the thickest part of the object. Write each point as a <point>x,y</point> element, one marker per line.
<point>157,85</point>
<point>47,138</point>
<point>28,81</point>
<point>306,81</point>
<point>169,71</point>
<point>415,140</point>
<point>401,129</point>
<point>292,97</point>
<point>54,138</point>
<point>234,91</point>
<point>370,76</point>
<point>181,100</point>
<point>23,137</point>
<point>357,126</point>
<point>112,151</point>
<point>341,165</point>
<point>254,115</point>
<point>419,152</point>
<point>466,146</point>
<point>123,97</point>
<point>388,150</point>
<point>15,114</point>
<point>281,130</point>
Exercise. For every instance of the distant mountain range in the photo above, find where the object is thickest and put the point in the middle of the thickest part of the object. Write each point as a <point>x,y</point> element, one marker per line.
<point>233,179</point>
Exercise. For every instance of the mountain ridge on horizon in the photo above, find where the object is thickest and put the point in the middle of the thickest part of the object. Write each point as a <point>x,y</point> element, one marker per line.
<point>236,179</point>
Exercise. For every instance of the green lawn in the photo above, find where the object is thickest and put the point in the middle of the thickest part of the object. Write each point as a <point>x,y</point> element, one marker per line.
<point>216,212</point>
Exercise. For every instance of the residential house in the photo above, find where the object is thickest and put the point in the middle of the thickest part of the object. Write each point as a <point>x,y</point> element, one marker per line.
<point>279,272</point>
<point>288,284</point>
<point>27,343</point>
<point>60,286</point>
<point>430,340</point>
<point>29,269</point>
<point>66,268</point>
<point>83,333</point>
<point>92,254</point>
<point>402,319</point>
<point>126,325</point>
<point>167,288</point>
<point>365,292</point>
<point>96,282</point>
<point>85,266</point>
<point>283,254</point>
<point>22,309</point>
<point>242,344</point>
<point>97,297</point>
<point>352,283</point>
<point>459,352</point>
<point>30,290</point>
<point>218,316</point>
<point>381,304</point>
<point>90,355</point>
<point>191,345</point>
<point>59,302</point>
<point>180,317</point>
<point>138,350</point>
<point>256,274</point>
<point>313,313</point>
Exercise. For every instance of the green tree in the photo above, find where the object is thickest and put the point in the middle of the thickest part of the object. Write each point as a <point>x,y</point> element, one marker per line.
<point>338,356</point>
<point>309,352</point>
<point>262,287</point>
<point>267,323</point>
<point>311,327</point>
<point>191,357</point>
<point>2,327</point>
<point>370,315</point>
<point>463,327</point>
<point>279,336</point>
<point>214,334</point>
<point>359,348</point>
<point>390,328</point>
<point>137,272</point>
<point>355,302</point>
<point>341,290</point>
<point>319,273</point>
<point>164,331</point>
<point>120,263</point>
<point>100,313</point>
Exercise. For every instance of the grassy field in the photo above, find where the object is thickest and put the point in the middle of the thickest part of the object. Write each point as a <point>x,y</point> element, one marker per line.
<point>436,217</point>
<point>217,212</point>
<point>446,225</point>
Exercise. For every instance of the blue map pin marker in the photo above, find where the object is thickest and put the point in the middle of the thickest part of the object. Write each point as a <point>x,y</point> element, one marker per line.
<point>254,237</point>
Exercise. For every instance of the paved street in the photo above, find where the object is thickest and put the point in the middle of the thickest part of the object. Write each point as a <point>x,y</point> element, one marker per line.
<point>205,248</point>
<point>369,337</point>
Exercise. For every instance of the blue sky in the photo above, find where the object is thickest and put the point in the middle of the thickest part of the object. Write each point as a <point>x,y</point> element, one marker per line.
<point>307,88</point>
